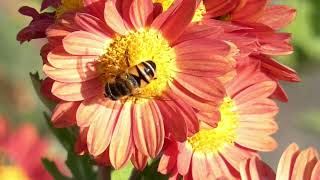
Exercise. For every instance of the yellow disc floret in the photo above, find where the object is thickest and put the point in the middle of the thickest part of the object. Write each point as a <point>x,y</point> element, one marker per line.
<point>68,6</point>
<point>200,11</point>
<point>137,47</point>
<point>12,173</point>
<point>198,16</point>
<point>214,140</point>
<point>165,3</point>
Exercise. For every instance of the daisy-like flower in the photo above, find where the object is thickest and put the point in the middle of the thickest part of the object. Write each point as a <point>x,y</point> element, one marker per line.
<point>293,165</point>
<point>247,121</point>
<point>251,25</point>
<point>91,50</point>
<point>42,20</point>
<point>21,152</point>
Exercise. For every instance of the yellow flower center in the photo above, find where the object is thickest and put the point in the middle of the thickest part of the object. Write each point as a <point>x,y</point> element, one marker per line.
<point>198,16</point>
<point>68,6</point>
<point>12,173</point>
<point>137,47</point>
<point>214,140</point>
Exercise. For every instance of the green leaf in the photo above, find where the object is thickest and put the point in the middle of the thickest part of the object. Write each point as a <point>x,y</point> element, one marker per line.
<point>53,170</point>
<point>65,136</point>
<point>36,82</point>
<point>123,173</point>
<point>81,167</point>
<point>150,172</point>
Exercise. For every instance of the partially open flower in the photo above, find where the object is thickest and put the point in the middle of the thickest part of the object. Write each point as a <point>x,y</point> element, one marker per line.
<point>247,121</point>
<point>133,40</point>
<point>294,165</point>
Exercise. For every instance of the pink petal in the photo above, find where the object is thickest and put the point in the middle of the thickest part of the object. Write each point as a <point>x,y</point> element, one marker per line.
<point>64,115</point>
<point>200,169</point>
<point>287,162</point>
<point>77,74</point>
<point>121,146</point>
<point>85,43</point>
<point>93,25</point>
<point>114,19</point>
<point>95,7</point>
<point>148,128</point>
<point>139,160</point>
<point>266,127</point>
<point>220,7</point>
<point>305,163</point>
<point>259,90</point>
<point>202,94</point>
<point>59,58</point>
<point>316,172</point>
<point>102,122</point>
<point>234,155</point>
<point>277,17</point>
<point>173,22</point>
<point>140,12</point>
<point>77,91</point>
<point>217,166</point>
<point>259,142</point>
<point>250,12</point>
<point>264,107</point>
<point>184,158</point>
<point>169,158</point>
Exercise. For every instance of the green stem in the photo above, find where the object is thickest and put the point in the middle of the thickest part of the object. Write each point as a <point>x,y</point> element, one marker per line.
<point>104,173</point>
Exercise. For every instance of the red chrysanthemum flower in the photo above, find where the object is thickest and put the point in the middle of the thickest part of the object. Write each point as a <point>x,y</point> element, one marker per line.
<point>23,150</point>
<point>294,165</point>
<point>247,121</point>
<point>91,48</point>
<point>252,25</point>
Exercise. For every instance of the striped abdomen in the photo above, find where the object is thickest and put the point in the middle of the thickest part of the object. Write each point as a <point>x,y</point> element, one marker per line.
<point>127,84</point>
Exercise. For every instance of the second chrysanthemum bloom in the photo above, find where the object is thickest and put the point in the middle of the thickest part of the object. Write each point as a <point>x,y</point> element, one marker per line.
<point>247,121</point>
<point>92,48</point>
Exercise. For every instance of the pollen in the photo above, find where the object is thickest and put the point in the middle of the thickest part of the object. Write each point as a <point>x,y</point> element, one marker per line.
<point>134,48</point>
<point>68,6</point>
<point>200,12</point>
<point>12,172</point>
<point>215,140</point>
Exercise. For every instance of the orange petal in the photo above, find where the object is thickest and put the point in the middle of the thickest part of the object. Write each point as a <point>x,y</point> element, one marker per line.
<point>114,19</point>
<point>259,90</point>
<point>202,94</point>
<point>64,115</point>
<point>77,91</point>
<point>93,25</point>
<point>200,169</point>
<point>287,162</point>
<point>59,58</point>
<point>80,146</point>
<point>265,127</point>
<point>219,7</point>
<point>102,122</point>
<point>85,43</point>
<point>121,146</point>
<point>139,160</point>
<point>259,143</point>
<point>174,21</point>
<point>277,17</point>
<point>316,172</point>
<point>264,107</point>
<point>245,169</point>
<point>250,11</point>
<point>140,12</point>
<point>168,159</point>
<point>217,166</point>
<point>148,128</point>
<point>304,164</point>
<point>234,155</point>
<point>184,158</point>
<point>77,74</point>
<point>95,7</point>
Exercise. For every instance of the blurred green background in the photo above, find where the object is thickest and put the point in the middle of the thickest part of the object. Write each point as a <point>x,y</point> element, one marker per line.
<point>298,120</point>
